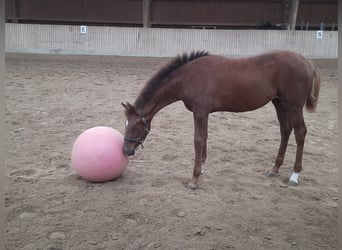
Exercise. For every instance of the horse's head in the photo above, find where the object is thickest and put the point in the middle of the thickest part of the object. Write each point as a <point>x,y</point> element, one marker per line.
<point>137,128</point>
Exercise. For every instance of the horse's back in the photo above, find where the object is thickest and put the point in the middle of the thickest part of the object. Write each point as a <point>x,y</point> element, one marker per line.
<point>283,73</point>
<point>248,83</point>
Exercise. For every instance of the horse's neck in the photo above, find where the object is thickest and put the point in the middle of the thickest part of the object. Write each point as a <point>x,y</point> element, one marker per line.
<point>158,101</point>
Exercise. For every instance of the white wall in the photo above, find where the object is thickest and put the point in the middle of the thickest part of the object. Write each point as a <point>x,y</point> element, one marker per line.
<point>66,39</point>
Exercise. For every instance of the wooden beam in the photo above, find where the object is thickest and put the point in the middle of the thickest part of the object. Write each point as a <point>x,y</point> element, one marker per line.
<point>14,9</point>
<point>147,13</point>
<point>293,15</point>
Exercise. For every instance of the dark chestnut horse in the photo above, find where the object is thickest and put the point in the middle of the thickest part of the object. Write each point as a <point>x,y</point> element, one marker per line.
<point>209,83</point>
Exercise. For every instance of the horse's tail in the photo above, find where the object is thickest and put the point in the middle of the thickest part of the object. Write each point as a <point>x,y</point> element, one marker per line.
<point>312,99</point>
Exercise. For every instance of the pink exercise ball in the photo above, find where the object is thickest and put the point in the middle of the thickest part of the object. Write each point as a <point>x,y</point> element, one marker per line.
<point>97,154</point>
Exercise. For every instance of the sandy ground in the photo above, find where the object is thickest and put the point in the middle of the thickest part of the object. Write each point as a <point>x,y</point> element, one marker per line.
<point>50,100</point>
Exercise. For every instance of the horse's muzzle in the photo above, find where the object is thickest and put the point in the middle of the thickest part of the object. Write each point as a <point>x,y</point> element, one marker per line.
<point>128,152</point>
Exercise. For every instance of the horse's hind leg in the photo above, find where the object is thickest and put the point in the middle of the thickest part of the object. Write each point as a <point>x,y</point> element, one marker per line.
<point>204,148</point>
<point>201,125</point>
<point>300,130</point>
<point>285,131</point>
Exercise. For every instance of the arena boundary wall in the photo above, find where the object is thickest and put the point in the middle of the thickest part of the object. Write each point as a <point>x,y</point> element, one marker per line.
<point>158,42</point>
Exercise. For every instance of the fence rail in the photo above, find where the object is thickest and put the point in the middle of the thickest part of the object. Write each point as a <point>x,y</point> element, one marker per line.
<point>158,42</point>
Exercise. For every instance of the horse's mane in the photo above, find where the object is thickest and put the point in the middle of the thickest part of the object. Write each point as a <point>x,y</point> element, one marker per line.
<point>157,79</point>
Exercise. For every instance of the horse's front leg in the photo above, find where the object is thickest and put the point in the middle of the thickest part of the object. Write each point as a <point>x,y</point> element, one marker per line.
<point>200,138</point>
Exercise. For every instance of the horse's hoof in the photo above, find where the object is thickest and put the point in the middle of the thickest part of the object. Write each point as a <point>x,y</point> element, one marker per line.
<point>292,183</point>
<point>269,173</point>
<point>294,179</point>
<point>191,186</point>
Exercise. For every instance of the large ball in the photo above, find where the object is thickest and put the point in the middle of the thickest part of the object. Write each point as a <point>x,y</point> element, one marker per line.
<point>97,154</point>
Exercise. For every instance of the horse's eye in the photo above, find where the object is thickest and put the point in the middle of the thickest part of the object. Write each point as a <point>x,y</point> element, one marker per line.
<point>126,123</point>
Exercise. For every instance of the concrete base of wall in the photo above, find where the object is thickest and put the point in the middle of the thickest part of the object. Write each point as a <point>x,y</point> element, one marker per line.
<point>155,42</point>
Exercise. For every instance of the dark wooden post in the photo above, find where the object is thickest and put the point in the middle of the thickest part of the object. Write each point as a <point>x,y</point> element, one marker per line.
<point>293,15</point>
<point>147,13</point>
<point>14,9</point>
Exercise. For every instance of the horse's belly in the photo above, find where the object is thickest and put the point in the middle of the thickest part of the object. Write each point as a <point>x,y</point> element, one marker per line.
<point>243,101</point>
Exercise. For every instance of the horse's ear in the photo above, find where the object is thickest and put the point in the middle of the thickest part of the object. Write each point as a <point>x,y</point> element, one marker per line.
<point>129,107</point>
<point>124,105</point>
